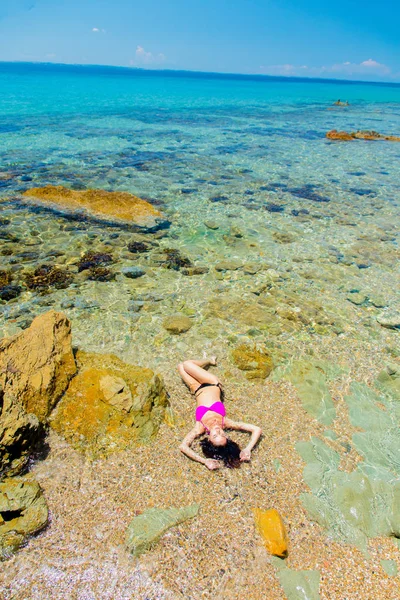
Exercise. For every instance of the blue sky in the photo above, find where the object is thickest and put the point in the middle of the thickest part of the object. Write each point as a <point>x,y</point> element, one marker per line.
<point>349,39</point>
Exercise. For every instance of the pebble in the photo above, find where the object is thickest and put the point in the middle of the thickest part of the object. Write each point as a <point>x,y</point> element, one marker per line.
<point>133,272</point>
<point>357,298</point>
<point>228,265</point>
<point>211,224</point>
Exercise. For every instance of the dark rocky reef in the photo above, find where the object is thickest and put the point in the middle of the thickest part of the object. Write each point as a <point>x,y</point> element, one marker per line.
<point>47,276</point>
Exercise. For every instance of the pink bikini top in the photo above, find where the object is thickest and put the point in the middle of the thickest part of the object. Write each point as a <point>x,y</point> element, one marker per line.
<point>217,407</point>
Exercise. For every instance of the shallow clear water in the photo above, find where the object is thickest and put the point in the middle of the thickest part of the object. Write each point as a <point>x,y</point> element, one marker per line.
<point>203,148</point>
<point>242,169</point>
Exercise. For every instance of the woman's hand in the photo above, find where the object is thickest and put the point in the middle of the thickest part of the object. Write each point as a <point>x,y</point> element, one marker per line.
<point>245,455</point>
<point>213,464</point>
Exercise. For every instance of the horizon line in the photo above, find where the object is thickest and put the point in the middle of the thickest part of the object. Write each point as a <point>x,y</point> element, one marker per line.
<point>226,74</point>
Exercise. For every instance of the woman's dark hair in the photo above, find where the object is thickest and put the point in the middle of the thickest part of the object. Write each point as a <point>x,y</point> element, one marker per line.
<point>229,454</point>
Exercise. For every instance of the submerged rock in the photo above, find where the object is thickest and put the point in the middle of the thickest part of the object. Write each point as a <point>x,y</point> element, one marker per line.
<point>211,225</point>
<point>190,271</point>
<point>256,363</point>
<point>110,405</point>
<point>228,265</point>
<point>23,512</point>
<point>300,585</point>
<point>9,292</point>
<point>357,298</point>
<point>133,272</point>
<point>365,502</point>
<point>147,528</point>
<point>389,319</point>
<point>310,381</point>
<point>37,364</point>
<point>118,207</point>
<point>177,324</point>
<point>272,530</point>
<point>360,135</point>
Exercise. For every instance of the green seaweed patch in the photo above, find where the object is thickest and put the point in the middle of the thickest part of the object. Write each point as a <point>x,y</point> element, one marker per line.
<point>365,503</point>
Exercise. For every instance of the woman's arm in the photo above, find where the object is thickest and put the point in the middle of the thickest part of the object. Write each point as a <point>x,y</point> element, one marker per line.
<point>255,436</point>
<point>186,449</point>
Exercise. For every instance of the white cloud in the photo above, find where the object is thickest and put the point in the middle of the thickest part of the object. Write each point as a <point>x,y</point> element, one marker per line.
<point>142,57</point>
<point>97,30</point>
<point>368,67</point>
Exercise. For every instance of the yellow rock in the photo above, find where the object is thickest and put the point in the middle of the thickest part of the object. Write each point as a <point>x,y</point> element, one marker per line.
<point>37,364</point>
<point>272,529</point>
<point>110,405</point>
<point>255,363</point>
<point>115,206</point>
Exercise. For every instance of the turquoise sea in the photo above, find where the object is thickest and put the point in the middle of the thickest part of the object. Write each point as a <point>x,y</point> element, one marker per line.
<point>244,152</point>
<point>279,239</point>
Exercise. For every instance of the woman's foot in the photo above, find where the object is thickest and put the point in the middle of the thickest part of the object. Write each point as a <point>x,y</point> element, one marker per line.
<point>212,360</point>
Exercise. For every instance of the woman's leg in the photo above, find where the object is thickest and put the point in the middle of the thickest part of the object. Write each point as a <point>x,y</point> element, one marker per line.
<point>192,383</point>
<point>194,368</point>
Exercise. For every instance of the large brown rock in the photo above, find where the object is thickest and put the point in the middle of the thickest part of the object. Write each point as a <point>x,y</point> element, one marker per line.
<point>110,405</point>
<point>37,364</point>
<point>23,512</point>
<point>119,207</point>
<point>344,136</point>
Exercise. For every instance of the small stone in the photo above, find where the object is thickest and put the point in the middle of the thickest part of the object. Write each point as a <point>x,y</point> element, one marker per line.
<point>228,265</point>
<point>189,271</point>
<point>357,298</point>
<point>251,268</point>
<point>389,319</point>
<point>377,301</point>
<point>177,324</point>
<point>133,272</point>
<point>211,225</point>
